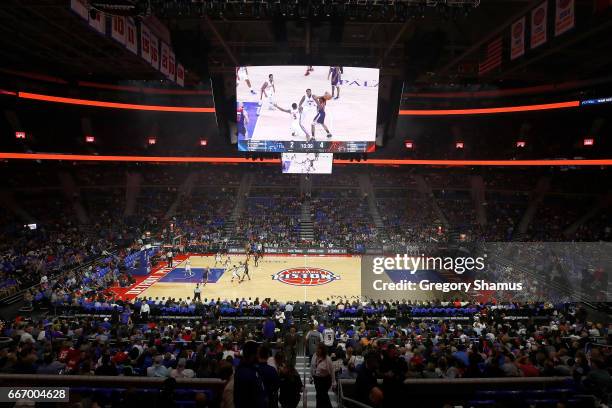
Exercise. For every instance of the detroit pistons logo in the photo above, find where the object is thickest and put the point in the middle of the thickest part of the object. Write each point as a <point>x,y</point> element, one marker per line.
<point>305,276</point>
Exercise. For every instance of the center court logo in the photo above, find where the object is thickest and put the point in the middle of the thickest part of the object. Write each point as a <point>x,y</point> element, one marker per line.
<point>305,276</point>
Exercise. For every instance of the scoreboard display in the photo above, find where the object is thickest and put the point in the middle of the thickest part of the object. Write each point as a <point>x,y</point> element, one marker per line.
<point>318,109</point>
<point>271,146</point>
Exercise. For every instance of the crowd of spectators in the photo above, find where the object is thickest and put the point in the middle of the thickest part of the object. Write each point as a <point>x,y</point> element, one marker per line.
<point>341,215</point>
<point>341,218</point>
<point>273,220</point>
<point>393,341</point>
<point>200,218</point>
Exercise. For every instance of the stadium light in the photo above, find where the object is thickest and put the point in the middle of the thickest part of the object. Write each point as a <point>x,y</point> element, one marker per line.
<point>459,145</point>
<point>521,143</point>
<point>589,141</point>
<point>20,135</point>
<point>203,142</point>
<point>90,139</point>
<point>409,144</point>
<point>152,141</point>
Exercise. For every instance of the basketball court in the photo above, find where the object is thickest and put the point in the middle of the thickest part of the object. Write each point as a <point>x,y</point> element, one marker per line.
<point>281,277</point>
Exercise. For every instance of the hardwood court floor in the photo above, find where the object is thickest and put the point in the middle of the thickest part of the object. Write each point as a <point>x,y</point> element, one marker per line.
<point>346,280</point>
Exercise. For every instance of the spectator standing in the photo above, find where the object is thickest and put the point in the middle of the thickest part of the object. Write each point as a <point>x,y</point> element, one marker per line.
<point>322,371</point>
<point>169,258</point>
<point>313,338</point>
<point>197,292</point>
<point>290,346</point>
<point>291,387</point>
<point>145,309</point>
<point>249,390</point>
<point>269,328</point>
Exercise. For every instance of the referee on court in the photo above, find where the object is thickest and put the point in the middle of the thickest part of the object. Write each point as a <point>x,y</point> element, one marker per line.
<point>197,293</point>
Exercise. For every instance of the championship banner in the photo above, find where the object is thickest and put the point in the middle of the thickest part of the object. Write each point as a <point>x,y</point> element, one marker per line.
<point>180,75</point>
<point>492,58</point>
<point>98,23</point>
<point>118,29</point>
<point>131,40</point>
<point>171,66</point>
<point>539,17</point>
<point>145,43</point>
<point>164,59</point>
<point>517,42</point>
<point>80,7</point>
<point>564,16</point>
<point>154,51</point>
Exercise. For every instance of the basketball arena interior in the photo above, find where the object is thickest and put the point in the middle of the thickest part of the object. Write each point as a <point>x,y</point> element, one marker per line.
<point>198,210</point>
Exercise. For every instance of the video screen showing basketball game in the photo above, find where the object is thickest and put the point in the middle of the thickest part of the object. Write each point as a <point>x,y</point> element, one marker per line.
<point>306,108</point>
<point>307,163</point>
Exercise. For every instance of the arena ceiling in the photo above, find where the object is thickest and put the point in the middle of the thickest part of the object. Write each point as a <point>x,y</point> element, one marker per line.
<point>427,46</point>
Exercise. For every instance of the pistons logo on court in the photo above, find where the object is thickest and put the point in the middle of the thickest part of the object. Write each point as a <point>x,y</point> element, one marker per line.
<point>305,276</point>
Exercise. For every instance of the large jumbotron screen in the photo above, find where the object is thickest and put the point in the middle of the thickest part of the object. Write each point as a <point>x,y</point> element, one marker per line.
<point>307,109</point>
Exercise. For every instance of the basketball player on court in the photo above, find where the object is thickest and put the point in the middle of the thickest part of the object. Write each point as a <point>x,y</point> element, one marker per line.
<point>235,274</point>
<point>309,69</point>
<point>205,273</point>
<point>296,126</point>
<point>217,258</point>
<point>243,74</point>
<point>335,74</point>
<point>320,117</point>
<point>188,272</point>
<point>242,120</point>
<point>245,272</point>
<point>227,261</point>
<point>268,89</point>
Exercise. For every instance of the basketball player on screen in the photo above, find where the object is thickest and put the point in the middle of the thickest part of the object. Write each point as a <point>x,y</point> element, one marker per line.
<point>268,89</point>
<point>296,126</point>
<point>307,166</point>
<point>243,74</point>
<point>307,106</point>
<point>320,117</point>
<point>335,73</point>
<point>242,120</point>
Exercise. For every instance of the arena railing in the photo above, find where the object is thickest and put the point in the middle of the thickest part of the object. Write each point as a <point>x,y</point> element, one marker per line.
<point>104,380</point>
<point>462,389</point>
